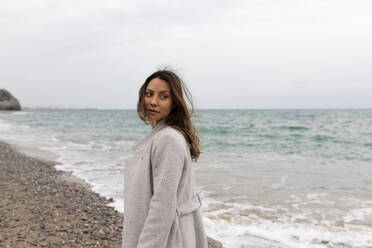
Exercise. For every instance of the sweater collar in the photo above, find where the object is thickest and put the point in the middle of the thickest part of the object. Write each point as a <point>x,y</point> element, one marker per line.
<point>160,125</point>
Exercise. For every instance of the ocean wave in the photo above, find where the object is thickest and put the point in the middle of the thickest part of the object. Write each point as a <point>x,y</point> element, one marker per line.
<point>288,228</point>
<point>21,113</point>
<point>293,128</point>
<point>321,138</point>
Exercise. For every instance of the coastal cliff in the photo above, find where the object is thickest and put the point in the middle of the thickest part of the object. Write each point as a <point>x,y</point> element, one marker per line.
<point>8,101</point>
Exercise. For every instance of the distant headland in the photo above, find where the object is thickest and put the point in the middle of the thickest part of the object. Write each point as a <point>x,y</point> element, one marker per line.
<point>8,101</point>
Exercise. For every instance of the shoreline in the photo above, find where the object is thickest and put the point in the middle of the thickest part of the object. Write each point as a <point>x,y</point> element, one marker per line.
<point>41,206</point>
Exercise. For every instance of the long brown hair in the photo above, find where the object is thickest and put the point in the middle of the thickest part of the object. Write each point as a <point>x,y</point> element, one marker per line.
<point>180,116</point>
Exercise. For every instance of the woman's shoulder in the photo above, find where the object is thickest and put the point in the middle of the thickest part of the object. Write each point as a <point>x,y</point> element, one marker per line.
<point>169,134</point>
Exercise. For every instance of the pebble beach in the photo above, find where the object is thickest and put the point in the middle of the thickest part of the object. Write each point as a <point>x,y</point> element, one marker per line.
<point>44,207</point>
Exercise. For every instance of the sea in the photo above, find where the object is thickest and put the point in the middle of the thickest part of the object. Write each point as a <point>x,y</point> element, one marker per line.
<point>268,178</point>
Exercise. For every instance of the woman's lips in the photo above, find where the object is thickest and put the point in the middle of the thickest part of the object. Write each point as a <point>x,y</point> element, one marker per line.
<point>152,111</point>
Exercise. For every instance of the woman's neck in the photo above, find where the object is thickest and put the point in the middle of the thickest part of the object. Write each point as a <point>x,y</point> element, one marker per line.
<point>154,123</point>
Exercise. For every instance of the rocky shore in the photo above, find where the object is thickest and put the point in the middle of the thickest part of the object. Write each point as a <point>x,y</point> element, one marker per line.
<point>43,207</point>
<point>8,101</point>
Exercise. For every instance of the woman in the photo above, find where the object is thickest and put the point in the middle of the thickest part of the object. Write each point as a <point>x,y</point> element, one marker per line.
<point>162,209</point>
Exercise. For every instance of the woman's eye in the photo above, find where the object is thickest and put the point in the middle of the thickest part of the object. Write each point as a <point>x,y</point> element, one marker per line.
<point>148,94</point>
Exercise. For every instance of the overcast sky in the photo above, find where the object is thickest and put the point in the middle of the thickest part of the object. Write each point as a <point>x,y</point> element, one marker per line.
<point>231,53</point>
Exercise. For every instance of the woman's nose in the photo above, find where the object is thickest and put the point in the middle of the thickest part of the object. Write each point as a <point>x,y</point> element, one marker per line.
<point>154,101</point>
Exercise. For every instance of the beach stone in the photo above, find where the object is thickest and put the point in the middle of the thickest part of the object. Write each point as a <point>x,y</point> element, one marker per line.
<point>8,101</point>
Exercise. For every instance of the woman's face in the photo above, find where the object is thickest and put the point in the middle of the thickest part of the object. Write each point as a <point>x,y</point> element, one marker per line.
<point>158,98</point>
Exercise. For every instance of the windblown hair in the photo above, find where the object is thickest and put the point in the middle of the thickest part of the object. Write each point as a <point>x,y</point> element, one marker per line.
<point>179,117</point>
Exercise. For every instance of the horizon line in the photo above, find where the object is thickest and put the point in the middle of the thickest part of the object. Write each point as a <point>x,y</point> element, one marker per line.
<point>279,108</point>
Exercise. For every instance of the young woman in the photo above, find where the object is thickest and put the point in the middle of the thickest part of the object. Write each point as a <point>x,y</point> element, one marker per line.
<point>162,208</point>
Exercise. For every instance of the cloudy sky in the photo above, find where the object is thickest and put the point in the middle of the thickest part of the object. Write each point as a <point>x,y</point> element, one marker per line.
<point>231,53</point>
